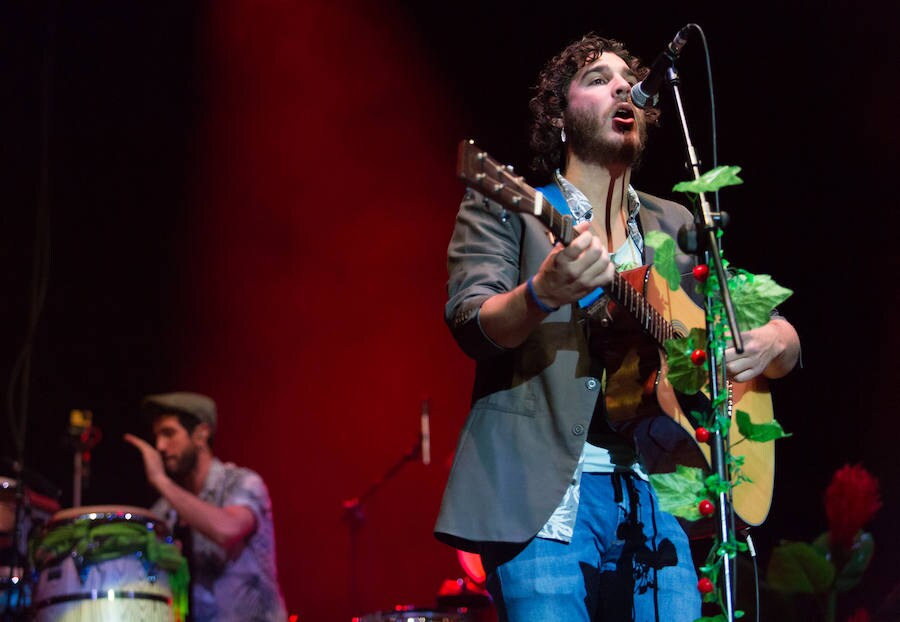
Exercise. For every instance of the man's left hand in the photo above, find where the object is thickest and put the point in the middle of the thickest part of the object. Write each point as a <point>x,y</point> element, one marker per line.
<point>761,346</point>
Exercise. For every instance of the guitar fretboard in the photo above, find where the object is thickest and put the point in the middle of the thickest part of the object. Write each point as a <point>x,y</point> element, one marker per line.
<point>653,323</point>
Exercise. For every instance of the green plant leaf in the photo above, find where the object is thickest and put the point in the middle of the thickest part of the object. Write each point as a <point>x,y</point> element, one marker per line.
<point>664,257</point>
<point>822,544</point>
<point>683,374</point>
<point>712,180</point>
<point>851,573</point>
<point>715,484</point>
<point>798,568</point>
<point>754,296</point>
<point>678,491</point>
<point>759,432</point>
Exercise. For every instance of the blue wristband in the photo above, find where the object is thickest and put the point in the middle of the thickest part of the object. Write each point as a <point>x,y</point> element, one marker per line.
<point>540,305</point>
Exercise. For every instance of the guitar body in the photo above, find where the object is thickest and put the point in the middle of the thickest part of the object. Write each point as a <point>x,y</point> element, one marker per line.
<point>641,403</point>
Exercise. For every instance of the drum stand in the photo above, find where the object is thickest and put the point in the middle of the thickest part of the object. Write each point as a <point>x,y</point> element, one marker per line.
<point>15,597</point>
<point>83,436</point>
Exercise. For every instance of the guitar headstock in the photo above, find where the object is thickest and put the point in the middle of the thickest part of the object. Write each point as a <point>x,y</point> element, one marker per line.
<point>499,182</point>
<point>495,180</point>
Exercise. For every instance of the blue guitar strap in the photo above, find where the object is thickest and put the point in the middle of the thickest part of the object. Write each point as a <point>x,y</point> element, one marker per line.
<point>555,197</point>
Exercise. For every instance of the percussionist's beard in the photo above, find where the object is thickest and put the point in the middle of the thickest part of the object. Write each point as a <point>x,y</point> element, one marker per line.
<point>590,146</point>
<point>184,465</point>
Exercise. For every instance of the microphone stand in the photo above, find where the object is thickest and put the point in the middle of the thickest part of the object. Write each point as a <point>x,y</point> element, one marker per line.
<point>355,516</point>
<point>710,223</point>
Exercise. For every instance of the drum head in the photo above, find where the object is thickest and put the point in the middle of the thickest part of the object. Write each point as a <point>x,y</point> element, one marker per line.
<point>109,513</point>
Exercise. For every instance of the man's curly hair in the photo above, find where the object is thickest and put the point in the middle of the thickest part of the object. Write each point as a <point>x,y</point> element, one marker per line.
<point>550,100</point>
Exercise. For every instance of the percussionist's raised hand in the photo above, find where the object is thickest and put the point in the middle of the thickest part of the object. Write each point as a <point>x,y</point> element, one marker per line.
<point>153,463</point>
<point>572,272</point>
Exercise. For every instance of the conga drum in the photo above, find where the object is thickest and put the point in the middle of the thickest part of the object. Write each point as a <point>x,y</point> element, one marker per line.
<point>108,563</point>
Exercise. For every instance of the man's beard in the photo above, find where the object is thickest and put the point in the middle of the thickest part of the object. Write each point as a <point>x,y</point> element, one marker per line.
<point>587,143</point>
<point>184,465</point>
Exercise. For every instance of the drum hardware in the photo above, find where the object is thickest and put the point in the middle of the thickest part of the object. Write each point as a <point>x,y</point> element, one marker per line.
<point>407,613</point>
<point>22,513</point>
<point>83,437</point>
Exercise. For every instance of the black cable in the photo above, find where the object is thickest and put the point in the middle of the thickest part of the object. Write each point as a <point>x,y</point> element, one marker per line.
<point>712,102</point>
<point>752,550</point>
<point>20,376</point>
<point>18,388</point>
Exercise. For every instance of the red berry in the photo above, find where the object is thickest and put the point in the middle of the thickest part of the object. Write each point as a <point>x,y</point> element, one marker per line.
<point>701,272</point>
<point>698,357</point>
<point>706,507</point>
<point>702,434</point>
<point>705,586</point>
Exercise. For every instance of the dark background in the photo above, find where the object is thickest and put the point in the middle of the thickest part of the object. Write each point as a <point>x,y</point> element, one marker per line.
<point>253,200</point>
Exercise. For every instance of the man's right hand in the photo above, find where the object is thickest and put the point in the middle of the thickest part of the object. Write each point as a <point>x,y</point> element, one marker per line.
<point>153,463</point>
<point>572,272</point>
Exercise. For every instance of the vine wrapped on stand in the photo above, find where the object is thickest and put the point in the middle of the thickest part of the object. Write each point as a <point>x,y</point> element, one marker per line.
<point>690,492</point>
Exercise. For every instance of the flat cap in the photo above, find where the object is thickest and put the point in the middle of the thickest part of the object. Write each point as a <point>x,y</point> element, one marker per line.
<point>201,407</point>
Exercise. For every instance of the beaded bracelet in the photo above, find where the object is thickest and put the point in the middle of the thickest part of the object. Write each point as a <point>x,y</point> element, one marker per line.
<point>540,305</point>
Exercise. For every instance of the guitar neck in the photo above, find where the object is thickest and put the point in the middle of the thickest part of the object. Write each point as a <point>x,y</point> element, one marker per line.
<point>622,291</point>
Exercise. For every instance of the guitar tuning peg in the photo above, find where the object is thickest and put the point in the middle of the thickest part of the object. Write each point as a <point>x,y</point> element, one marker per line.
<point>509,168</point>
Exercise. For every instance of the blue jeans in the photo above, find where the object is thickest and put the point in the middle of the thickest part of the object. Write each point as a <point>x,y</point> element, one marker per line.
<point>628,561</point>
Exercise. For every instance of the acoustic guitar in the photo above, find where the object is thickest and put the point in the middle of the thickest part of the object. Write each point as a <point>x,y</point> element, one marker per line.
<point>640,401</point>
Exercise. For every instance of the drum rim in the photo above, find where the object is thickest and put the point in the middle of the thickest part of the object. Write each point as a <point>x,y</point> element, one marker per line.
<point>107,513</point>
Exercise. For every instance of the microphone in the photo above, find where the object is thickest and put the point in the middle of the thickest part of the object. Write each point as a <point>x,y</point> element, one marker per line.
<point>425,433</point>
<point>649,86</point>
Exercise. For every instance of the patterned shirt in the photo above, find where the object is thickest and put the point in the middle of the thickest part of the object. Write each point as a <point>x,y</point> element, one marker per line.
<point>244,586</point>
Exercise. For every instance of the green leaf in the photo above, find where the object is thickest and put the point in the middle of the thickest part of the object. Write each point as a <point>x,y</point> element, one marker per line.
<point>664,257</point>
<point>713,180</point>
<point>759,432</point>
<point>822,544</point>
<point>678,491</point>
<point>798,568</point>
<point>716,485</point>
<point>851,573</point>
<point>683,374</point>
<point>754,296</point>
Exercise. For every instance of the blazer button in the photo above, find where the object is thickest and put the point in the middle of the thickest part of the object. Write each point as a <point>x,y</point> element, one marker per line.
<point>577,429</point>
<point>592,384</point>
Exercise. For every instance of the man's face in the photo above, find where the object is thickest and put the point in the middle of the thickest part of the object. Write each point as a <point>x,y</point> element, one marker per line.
<point>177,447</point>
<point>602,125</point>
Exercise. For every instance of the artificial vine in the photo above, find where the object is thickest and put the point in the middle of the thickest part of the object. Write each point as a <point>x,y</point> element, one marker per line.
<point>689,492</point>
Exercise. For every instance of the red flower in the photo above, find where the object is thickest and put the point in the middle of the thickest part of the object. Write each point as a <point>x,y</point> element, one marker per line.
<point>851,501</point>
<point>860,615</point>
